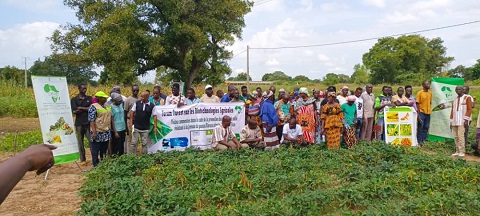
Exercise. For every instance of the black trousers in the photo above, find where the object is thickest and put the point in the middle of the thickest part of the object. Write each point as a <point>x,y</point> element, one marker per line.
<point>117,143</point>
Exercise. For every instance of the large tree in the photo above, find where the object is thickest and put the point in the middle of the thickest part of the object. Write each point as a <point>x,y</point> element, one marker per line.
<point>13,74</point>
<point>360,74</point>
<point>276,76</point>
<point>141,35</point>
<point>74,68</point>
<point>392,60</point>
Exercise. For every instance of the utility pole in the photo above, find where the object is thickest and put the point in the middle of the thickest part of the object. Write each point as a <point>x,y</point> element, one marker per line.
<point>25,62</point>
<point>248,67</point>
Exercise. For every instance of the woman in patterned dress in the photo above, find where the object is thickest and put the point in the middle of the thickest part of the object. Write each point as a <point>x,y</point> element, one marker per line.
<point>318,95</point>
<point>304,109</point>
<point>253,111</point>
<point>331,118</point>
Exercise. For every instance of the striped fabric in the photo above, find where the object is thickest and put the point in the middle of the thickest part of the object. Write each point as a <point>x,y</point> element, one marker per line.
<point>461,110</point>
<point>271,139</point>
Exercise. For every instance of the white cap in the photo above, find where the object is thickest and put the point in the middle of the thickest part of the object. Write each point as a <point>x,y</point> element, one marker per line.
<point>208,86</point>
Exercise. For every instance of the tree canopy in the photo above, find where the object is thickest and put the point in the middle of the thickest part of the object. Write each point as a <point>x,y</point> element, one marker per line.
<point>65,65</point>
<point>406,58</point>
<point>240,77</point>
<point>276,76</point>
<point>138,36</point>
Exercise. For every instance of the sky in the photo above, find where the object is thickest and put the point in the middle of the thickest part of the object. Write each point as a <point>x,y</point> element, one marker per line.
<point>26,24</point>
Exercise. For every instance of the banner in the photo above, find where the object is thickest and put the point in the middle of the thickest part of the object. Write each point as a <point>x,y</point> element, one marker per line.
<point>401,126</point>
<point>192,125</point>
<point>443,94</point>
<point>55,114</point>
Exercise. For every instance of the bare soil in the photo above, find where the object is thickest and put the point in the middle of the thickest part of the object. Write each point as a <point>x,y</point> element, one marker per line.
<point>9,124</point>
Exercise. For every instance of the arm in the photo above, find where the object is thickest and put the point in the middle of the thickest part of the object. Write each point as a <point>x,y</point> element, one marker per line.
<point>74,106</point>
<point>468,114</point>
<point>112,122</point>
<point>132,116</point>
<point>37,157</point>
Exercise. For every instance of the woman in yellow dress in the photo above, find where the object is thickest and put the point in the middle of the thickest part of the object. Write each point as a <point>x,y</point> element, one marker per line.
<point>332,125</point>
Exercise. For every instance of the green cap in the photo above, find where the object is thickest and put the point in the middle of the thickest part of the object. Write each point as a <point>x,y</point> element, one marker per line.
<point>101,94</point>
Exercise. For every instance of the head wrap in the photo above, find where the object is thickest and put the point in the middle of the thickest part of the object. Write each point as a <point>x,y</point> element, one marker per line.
<point>267,94</point>
<point>254,94</point>
<point>117,97</point>
<point>351,98</point>
<point>304,91</point>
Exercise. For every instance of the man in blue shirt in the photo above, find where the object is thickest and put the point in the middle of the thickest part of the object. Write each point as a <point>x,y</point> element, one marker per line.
<point>227,97</point>
<point>270,120</point>
<point>191,98</point>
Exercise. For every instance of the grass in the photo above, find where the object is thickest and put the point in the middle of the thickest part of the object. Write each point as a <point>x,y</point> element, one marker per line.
<point>370,179</point>
<point>24,140</point>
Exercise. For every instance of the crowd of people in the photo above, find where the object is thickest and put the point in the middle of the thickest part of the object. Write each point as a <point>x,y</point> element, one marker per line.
<point>298,118</point>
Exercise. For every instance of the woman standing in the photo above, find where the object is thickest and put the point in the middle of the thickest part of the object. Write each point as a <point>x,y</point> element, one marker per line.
<point>254,109</point>
<point>332,125</point>
<point>285,112</point>
<point>318,95</point>
<point>349,110</point>
<point>304,110</point>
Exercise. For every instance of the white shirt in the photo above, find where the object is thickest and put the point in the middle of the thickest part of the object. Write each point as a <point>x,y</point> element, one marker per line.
<point>292,133</point>
<point>134,107</point>
<point>341,100</point>
<point>359,103</point>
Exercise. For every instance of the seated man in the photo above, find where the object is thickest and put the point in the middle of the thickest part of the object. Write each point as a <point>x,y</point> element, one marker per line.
<point>252,135</point>
<point>293,134</point>
<point>222,134</point>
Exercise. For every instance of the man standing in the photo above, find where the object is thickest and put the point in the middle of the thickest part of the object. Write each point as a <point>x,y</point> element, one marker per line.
<point>235,97</point>
<point>208,97</point>
<point>127,107</point>
<point>424,102</point>
<point>359,104</point>
<point>163,96</point>
<point>460,117</point>
<point>191,98</point>
<point>383,100</point>
<point>227,97</point>
<point>244,96</point>
<point>116,89</point>
<point>140,114</point>
<point>274,90</point>
<point>400,99</point>
<point>409,96</point>
<point>269,120</point>
<point>220,94</point>
<point>175,98</point>
<point>156,99</point>
<point>222,134</point>
<point>466,92</point>
<point>100,118</point>
<point>368,112</point>
<point>80,105</point>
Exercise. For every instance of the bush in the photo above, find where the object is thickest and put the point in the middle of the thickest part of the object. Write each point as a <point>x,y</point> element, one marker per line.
<point>370,179</point>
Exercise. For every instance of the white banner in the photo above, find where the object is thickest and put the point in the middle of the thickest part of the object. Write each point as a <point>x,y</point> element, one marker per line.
<point>192,125</point>
<point>55,114</point>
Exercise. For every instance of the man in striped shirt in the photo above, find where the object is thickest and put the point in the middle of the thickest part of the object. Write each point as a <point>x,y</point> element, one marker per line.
<point>223,137</point>
<point>459,118</point>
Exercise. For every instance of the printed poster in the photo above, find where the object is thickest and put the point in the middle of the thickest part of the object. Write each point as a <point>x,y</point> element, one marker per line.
<point>443,94</point>
<point>401,126</point>
<point>192,125</point>
<point>55,114</point>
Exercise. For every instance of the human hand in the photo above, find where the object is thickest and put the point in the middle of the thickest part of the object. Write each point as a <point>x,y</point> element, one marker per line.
<point>39,157</point>
<point>155,130</point>
<point>117,135</point>
<point>94,135</point>
<point>465,123</point>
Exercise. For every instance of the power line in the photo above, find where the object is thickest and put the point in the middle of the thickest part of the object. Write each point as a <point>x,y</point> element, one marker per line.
<point>239,53</point>
<point>366,39</point>
<point>261,2</point>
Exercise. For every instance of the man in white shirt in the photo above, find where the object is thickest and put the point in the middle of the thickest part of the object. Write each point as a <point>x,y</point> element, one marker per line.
<point>460,116</point>
<point>359,120</point>
<point>222,134</point>
<point>293,134</point>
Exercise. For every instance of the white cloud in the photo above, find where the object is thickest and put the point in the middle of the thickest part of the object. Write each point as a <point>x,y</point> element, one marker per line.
<point>272,62</point>
<point>25,40</point>
<point>376,3</point>
<point>33,5</point>
<point>323,58</point>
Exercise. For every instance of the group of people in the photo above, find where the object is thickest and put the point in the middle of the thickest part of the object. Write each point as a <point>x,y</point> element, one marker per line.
<point>297,118</point>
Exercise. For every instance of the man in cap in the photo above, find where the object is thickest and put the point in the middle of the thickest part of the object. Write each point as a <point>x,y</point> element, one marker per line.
<point>244,96</point>
<point>208,97</point>
<point>119,125</point>
<point>80,105</point>
<point>140,114</point>
<point>116,89</point>
<point>100,118</point>
<point>342,98</point>
<point>132,99</point>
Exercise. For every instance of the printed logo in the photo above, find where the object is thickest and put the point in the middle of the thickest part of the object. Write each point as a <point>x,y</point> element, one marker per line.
<point>52,91</point>
<point>447,92</point>
<point>238,109</point>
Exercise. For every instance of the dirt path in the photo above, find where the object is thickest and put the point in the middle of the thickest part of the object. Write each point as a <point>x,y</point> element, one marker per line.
<point>10,124</point>
<point>57,195</point>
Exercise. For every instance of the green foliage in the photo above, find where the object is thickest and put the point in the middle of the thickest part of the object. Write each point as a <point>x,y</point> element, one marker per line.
<point>240,77</point>
<point>276,76</point>
<point>370,179</point>
<point>301,78</point>
<point>332,79</point>
<point>71,66</point>
<point>360,74</point>
<point>475,70</point>
<point>24,140</point>
<point>13,75</point>
<point>392,57</point>
<point>137,36</point>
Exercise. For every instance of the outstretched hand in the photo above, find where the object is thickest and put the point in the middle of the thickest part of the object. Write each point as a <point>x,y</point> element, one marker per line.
<point>40,157</point>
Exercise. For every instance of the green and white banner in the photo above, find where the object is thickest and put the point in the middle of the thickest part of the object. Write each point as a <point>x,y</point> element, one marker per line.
<point>55,114</point>
<point>401,126</point>
<point>192,125</point>
<point>443,94</point>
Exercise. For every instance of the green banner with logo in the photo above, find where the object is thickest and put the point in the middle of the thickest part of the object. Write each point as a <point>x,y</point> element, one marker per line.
<point>55,114</point>
<point>443,94</point>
